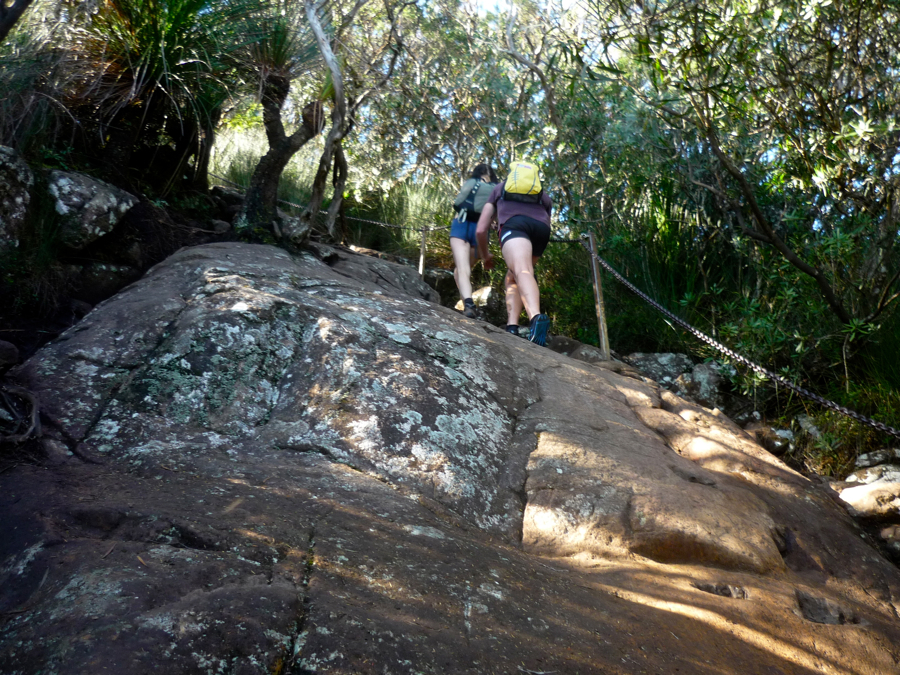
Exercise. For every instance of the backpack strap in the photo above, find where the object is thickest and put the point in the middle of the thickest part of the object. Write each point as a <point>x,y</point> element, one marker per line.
<point>468,203</point>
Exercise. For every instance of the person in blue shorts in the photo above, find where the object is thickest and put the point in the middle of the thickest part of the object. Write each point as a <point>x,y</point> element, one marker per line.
<point>467,206</point>
<point>524,235</point>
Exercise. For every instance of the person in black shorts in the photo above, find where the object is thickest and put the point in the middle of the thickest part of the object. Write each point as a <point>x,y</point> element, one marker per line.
<point>524,234</point>
<point>467,205</point>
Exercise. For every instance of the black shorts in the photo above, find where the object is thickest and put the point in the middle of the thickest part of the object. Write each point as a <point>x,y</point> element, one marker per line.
<point>523,226</point>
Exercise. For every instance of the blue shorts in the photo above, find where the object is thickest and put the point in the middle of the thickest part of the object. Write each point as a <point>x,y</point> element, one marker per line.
<point>465,230</point>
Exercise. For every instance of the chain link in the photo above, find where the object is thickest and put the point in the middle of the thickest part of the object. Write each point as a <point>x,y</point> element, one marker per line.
<point>398,227</point>
<point>880,426</point>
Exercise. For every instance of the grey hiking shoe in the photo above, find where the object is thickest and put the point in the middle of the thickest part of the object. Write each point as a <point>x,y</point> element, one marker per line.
<point>469,308</point>
<point>537,333</point>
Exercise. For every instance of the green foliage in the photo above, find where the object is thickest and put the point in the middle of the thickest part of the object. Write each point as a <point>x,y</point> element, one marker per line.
<point>135,51</point>
<point>278,44</point>
<point>842,439</point>
<point>29,111</point>
<point>237,153</point>
<point>410,207</point>
<point>567,296</point>
<point>246,116</point>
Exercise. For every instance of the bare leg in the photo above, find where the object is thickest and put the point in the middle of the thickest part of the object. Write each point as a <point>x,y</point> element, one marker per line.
<point>463,258</point>
<point>520,261</point>
<point>513,300</point>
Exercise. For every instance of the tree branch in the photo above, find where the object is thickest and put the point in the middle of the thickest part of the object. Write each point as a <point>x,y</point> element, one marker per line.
<point>9,15</point>
<point>764,224</point>
<point>533,67</point>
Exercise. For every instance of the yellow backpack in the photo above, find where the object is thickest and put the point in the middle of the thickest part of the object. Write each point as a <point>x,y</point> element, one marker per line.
<point>523,183</point>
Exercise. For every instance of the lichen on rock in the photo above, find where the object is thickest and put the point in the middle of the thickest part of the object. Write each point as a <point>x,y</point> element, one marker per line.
<point>89,208</point>
<point>286,463</point>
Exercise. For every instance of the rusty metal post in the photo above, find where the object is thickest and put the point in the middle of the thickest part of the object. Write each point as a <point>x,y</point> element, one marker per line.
<point>422,255</point>
<point>598,300</point>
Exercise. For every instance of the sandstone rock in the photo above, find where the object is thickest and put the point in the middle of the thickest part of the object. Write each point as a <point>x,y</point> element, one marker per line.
<point>16,181</point>
<point>875,474</point>
<point>883,456</point>
<point>492,307</point>
<point>872,492</point>
<point>228,196</point>
<point>390,257</point>
<point>300,464</point>
<point>776,441</point>
<point>89,207</point>
<point>701,385</point>
<point>392,278</point>
<point>590,354</point>
<point>662,368</point>
<point>220,226</point>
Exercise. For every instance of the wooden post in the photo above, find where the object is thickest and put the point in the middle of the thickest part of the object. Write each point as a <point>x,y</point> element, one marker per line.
<point>598,300</point>
<point>422,255</point>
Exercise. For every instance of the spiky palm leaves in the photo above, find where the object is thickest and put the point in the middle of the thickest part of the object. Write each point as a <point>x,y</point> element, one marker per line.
<point>152,75</point>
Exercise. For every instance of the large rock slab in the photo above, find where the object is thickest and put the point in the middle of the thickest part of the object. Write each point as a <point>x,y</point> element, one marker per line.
<point>299,464</point>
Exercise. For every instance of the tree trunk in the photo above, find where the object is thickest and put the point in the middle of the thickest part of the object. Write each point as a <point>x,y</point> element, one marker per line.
<point>339,182</point>
<point>261,203</point>
<point>9,14</point>
<point>338,119</point>
<point>200,178</point>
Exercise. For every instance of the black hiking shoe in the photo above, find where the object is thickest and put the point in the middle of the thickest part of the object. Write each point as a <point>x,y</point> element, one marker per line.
<point>537,334</point>
<point>513,328</point>
<point>469,308</point>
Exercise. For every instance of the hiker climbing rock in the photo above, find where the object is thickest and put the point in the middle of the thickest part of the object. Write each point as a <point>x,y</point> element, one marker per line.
<point>523,210</point>
<point>467,206</point>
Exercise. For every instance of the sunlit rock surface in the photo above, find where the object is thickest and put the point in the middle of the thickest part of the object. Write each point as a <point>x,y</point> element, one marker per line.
<point>302,464</point>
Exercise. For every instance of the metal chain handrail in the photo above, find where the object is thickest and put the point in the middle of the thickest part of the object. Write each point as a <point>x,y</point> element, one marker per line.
<point>363,220</point>
<point>398,227</point>
<point>880,426</point>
